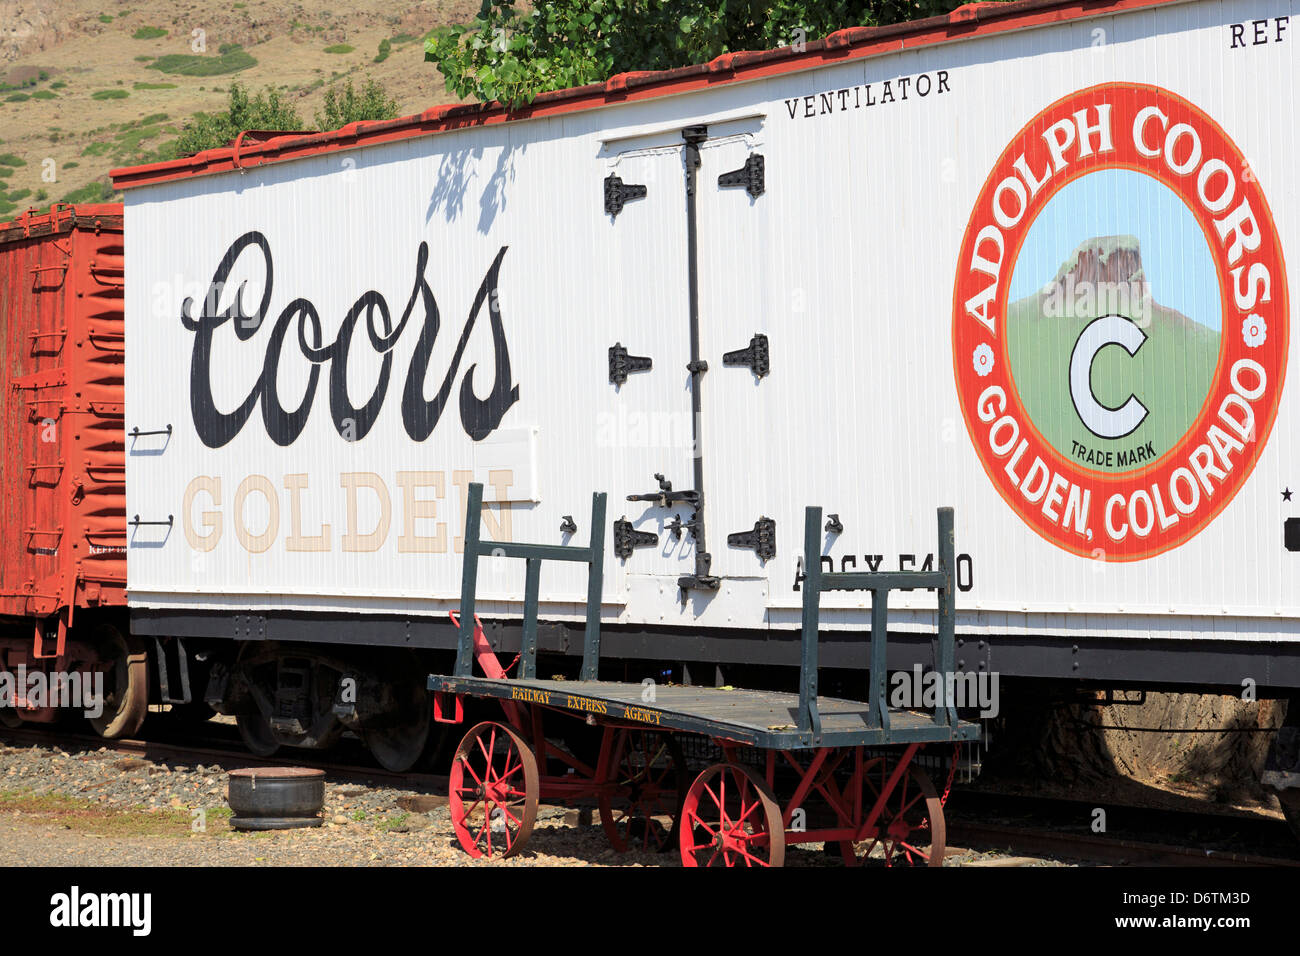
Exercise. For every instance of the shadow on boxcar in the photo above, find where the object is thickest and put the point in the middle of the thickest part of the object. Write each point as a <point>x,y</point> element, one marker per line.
<point>456,174</point>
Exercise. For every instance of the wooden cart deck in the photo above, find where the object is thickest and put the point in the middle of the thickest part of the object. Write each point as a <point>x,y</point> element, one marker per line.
<point>756,717</point>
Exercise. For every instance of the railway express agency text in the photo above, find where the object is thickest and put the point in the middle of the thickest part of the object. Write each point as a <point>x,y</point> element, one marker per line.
<point>588,705</point>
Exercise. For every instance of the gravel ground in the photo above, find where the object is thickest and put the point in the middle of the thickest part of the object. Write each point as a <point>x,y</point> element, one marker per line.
<point>103,808</point>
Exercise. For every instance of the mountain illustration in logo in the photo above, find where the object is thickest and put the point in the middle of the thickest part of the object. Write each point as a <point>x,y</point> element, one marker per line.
<point>1111,259</point>
<point>1169,373</point>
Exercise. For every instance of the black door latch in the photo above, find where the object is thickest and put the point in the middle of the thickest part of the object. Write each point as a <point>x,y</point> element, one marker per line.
<point>701,580</point>
<point>754,356</point>
<point>692,527</point>
<point>618,192</point>
<point>627,538</point>
<point>665,497</point>
<point>762,540</point>
<point>620,363</point>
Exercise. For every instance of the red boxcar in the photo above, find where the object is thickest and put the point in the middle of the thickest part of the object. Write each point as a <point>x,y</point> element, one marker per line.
<point>62,473</point>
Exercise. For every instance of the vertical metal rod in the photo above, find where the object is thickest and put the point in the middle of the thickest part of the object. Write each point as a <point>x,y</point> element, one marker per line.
<point>595,585</point>
<point>528,642</point>
<point>809,719</point>
<point>944,712</point>
<point>877,701</point>
<point>469,581</point>
<point>691,157</point>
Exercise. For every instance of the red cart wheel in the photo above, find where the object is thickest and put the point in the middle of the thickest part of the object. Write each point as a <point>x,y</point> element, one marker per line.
<point>731,819</point>
<point>911,829</point>
<point>647,774</point>
<point>493,791</point>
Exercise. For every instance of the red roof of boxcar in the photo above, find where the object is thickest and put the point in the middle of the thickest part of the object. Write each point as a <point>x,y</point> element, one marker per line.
<point>60,218</point>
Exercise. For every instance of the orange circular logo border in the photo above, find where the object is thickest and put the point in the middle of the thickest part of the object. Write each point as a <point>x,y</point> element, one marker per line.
<point>1078,509</point>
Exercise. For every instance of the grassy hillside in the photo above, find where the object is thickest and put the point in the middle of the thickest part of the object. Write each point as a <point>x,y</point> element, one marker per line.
<point>88,86</point>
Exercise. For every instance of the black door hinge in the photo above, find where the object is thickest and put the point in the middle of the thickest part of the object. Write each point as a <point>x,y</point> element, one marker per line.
<point>752,176</point>
<point>762,540</point>
<point>617,193</point>
<point>754,356</point>
<point>627,538</point>
<point>620,363</point>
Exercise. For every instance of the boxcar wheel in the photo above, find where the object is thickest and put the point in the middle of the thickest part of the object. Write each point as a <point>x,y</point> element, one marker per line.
<point>493,791</point>
<point>256,732</point>
<point>126,684</point>
<point>730,818</point>
<point>398,738</point>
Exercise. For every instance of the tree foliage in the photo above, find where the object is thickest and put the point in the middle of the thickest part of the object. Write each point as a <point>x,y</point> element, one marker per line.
<point>267,110</point>
<point>511,54</point>
<point>349,105</point>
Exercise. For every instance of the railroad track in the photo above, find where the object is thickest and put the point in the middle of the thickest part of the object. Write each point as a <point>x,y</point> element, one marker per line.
<point>1099,849</point>
<point>214,750</point>
<point>977,820</point>
<point>1037,826</point>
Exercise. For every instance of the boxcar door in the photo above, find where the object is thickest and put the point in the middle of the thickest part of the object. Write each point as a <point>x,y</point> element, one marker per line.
<point>736,448</point>
<point>647,430</point>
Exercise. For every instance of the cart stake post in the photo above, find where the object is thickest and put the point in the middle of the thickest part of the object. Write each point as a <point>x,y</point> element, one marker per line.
<point>878,700</point>
<point>528,641</point>
<point>809,718</point>
<point>944,712</point>
<point>595,584</point>
<point>469,582</point>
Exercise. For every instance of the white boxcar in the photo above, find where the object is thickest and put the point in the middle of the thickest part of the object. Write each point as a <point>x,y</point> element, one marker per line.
<point>1026,260</point>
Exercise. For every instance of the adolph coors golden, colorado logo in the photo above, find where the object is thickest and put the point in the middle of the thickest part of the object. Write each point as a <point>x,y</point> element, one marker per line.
<point>1120,322</point>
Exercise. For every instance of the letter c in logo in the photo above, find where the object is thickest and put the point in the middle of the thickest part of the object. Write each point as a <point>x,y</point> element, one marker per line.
<point>1102,420</point>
